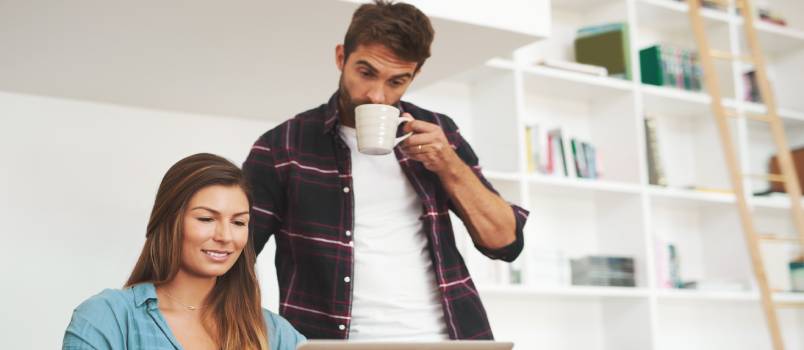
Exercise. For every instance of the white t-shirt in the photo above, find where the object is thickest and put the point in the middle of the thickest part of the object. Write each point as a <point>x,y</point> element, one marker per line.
<point>395,295</point>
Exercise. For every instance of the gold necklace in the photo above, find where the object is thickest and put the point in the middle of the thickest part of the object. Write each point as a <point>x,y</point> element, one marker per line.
<point>188,307</point>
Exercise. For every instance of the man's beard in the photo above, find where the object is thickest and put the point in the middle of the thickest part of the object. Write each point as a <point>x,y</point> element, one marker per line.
<point>347,103</point>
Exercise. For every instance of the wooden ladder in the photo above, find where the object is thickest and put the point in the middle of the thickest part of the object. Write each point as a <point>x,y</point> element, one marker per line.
<point>788,172</point>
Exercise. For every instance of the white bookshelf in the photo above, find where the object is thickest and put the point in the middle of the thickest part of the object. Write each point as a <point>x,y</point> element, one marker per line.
<point>620,213</point>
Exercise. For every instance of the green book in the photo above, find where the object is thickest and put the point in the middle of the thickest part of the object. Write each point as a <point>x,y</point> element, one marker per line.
<point>605,46</point>
<point>651,66</point>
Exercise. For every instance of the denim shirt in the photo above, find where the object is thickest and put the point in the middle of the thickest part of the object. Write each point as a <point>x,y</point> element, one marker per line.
<point>130,319</point>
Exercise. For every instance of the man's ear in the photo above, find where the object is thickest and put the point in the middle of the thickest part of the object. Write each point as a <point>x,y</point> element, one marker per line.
<point>339,57</point>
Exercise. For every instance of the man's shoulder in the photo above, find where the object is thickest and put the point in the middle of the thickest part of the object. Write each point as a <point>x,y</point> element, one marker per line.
<point>429,116</point>
<point>308,121</point>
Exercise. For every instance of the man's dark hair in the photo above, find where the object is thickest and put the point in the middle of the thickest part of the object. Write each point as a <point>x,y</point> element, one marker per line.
<point>401,27</point>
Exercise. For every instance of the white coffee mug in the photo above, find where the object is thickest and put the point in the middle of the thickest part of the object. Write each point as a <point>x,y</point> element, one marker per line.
<point>376,126</point>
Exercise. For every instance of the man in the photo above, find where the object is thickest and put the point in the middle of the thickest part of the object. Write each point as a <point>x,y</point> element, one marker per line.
<point>365,248</point>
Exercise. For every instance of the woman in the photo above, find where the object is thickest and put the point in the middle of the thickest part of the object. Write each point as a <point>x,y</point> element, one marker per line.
<point>194,285</point>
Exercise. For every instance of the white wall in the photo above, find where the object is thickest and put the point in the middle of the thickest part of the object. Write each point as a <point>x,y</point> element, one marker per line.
<point>77,183</point>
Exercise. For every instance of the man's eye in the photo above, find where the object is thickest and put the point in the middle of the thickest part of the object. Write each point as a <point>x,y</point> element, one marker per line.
<point>366,74</point>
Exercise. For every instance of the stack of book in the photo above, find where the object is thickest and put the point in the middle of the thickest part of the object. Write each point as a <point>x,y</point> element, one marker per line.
<point>603,271</point>
<point>665,65</point>
<point>605,46</point>
<point>769,16</point>
<point>751,87</point>
<point>656,174</point>
<point>549,153</point>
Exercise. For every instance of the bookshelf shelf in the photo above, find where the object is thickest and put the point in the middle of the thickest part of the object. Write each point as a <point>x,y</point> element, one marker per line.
<point>672,101</point>
<point>582,185</point>
<point>547,82</point>
<point>778,40</point>
<point>789,115</point>
<point>678,295</point>
<point>685,195</point>
<point>565,292</point>
<point>571,83</point>
<point>773,202</point>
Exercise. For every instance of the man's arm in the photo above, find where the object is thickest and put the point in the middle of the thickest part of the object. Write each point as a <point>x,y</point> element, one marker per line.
<point>493,224</point>
<point>266,190</point>
<point>488,217</point>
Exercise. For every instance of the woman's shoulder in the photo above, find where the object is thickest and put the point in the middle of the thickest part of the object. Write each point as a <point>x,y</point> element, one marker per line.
<point>282,335</point>
<point>100,319</point>
<point>108,301</point>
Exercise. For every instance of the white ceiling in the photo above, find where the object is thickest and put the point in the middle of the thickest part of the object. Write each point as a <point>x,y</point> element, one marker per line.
<point>262,59</point>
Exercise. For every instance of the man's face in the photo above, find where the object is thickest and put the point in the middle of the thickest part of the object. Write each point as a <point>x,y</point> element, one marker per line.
<point>371,74</point>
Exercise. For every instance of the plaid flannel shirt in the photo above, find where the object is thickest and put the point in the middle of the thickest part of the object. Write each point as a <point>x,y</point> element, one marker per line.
<point>300,177</point>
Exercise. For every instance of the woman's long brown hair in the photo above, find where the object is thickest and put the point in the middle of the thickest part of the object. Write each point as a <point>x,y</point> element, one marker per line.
<point>233,311</point>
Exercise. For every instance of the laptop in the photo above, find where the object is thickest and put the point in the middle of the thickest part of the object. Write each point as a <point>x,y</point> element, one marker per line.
<point>445,345</point>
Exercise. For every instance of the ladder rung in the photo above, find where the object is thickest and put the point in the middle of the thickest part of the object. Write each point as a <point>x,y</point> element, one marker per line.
<point>758,117</point>
<point>790,304</point>
<point>769,177</point>
<point>778,238</point>
<point>723,55</point>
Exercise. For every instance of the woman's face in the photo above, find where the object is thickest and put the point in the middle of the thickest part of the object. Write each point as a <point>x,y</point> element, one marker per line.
<point>215,230</point>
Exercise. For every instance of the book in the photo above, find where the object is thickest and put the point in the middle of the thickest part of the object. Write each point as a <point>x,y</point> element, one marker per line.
<point>663,264</point>
<point>591,160</point>
<point>606,46</point>
<point>656,175</point>
<point>599,29</point>
<point>534,148</point>
<point>529,149</point>
<point>664,65</point>
<point>674,266</point>
<point>557,154</point>
<point>574,67</point>
<point>579,158</point>
<point>752,93</point>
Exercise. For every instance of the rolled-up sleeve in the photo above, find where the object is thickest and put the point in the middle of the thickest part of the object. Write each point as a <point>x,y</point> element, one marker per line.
<point>467,154</point>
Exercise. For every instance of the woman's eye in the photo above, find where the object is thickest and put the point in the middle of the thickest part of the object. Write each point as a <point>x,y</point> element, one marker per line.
<point>205,219</point>
<point>240,223</point>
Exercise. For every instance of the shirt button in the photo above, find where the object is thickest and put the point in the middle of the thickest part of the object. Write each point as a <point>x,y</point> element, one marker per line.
<point>346,190</point>
<point>348,233</point>
<point>351,243</point>
<point>341,327</point>
<point>347,279</point>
